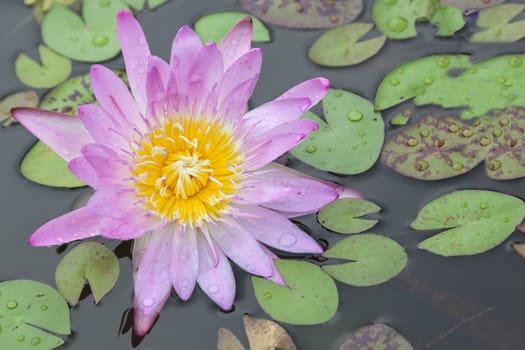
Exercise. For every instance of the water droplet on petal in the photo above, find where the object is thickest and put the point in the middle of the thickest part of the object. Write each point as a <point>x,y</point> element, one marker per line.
<point>214,289</point>
<point>185,283</point>
<point>142,40</point>
<point>148,302</point>
<point>287,240</point>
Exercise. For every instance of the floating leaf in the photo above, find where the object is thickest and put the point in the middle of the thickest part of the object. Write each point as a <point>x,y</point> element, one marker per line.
<point>376,337</point>
<point>228,341</point>
<point>448,19</point>
<point>342,215</point>
<point>470,6</point>
<point>29,310</point>
<point>310,298</point>
<point>375,259</point>
<point>476,220</point>
<point>350,141</point>
<point>139,4</point>
<point>213,27</point>
<point>496,20</point>
<point>91,262</point>
<point>340,47</point>
<point>306,13</point>
<point>519,248</point>
<point>55,68</point>
<point>43,166</point>
<point>397,18</point>
<point>402,118</point>
<point>27,98</point>
<point>92,38</point>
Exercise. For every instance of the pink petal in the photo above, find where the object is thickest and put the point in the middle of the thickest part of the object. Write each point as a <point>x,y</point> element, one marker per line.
<point>63,133</point>
<point>242,248</point>
<point>115,99</point>
<point>315,89</point>
<point>114,203</point>
<point>106,162</point>
<point>275,230</point>
<point>216,280</point>
<point>156,84</point>
<point>276,142</point>
<point>135,51</point>
<point>184,262</point>
<point>276,276</point>
<point>151,263</point>
<point>81,168</point>
<point>133,224</point>
<point>237,41</point>
<point>236,103</point>
<point>78,224</point>
<point>101,127</point>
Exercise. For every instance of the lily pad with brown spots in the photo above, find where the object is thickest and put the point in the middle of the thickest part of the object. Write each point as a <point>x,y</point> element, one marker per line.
<point>375,337</point>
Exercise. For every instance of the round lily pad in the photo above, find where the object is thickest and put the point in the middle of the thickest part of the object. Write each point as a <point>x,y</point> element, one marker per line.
<point>213,27</point>
<point>31,311</point>
<point>91,262</point>
<point>306,13</point>
<point>310,298</point>
<point>375,259</point>
<point>350,141</point>
<point>343,215</point>
<point>476,221</point>
<point>448,19</point>
<point>55,69</point>
<point>496,24</point>
<point>376,337</point>
<point>92,38</point>
<point>341,46</point>
<point>27,98</point>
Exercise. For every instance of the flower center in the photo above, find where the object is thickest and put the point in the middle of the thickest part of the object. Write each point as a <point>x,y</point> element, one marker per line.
<point>187,170</point>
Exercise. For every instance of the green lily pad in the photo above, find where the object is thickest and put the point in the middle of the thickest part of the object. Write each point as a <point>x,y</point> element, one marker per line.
<point>375,259</point>
<point>310,298</point>
<point>397,18</point>
<point>43,166</point>
<point>304,14</point>
<point>340,46</point>
<point>342,215</point>
<point>411,79</point>
<point>350,141</point>
<point>139,4</point>
<point>496,22</point>
<point>91,262</point>
<point>213,27</point>
<point>470,6</point>
<point>476,221</point>
<point>27,98</point>
<point>376,337</point>
<point>29,311</point>
<point>448,19</point>
<point>55,69</point>
<point>92,38</point>
<point>402,118</point>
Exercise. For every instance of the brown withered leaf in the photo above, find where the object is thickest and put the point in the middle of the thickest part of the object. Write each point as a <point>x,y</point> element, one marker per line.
<point>228,341</point>
<point>519,248</point>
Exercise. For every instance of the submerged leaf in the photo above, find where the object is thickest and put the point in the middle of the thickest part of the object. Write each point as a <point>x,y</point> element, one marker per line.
<point>350,141</point>
<point>340,46</point>
<point>374,259</point>
<point>496,21</point>
<point>92,38</point>
<point>27,98</point>
<point>310,298</point>
<point>342,215</point>
<point>376,337</point>
<point>91,262</point>
<point>448,19</point>
<point>55,68</point>
<point>476,221</point>
<point>213,27</point>
<point>31,310</point>
<point>306,13</point>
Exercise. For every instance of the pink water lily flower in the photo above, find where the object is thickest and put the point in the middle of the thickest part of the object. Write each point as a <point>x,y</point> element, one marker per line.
<point>183,169</point>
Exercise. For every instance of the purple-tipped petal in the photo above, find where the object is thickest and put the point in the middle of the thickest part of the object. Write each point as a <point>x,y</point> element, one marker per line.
<point>114,203</point>
<point>101,127</point>
<point>215,280</point>
<point>151,263</point>
<point>105,161</point>
<point>78,224</point>
<point>184,262</point>
<point>314,89</point>
<point>275,230</point>
<point>247,67</point>
<point>236,103</point>
<point>156,85</point>
<point>242,248</point>
<point>63,133</point>
<point>115,99</point>
<point>184,51</point>
<point>135,51</point>
<point>81,168</point>
<point>277,141</point>
<point>237,41</point>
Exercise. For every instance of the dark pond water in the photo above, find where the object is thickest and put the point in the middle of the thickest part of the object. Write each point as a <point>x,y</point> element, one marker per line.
<point>426,302</point>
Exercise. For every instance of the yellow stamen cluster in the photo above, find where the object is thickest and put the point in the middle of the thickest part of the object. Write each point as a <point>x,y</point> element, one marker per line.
<point>187,170</point>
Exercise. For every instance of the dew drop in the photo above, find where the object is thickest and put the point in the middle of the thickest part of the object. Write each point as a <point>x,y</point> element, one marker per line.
<point>485,141</point>
<point>267,295</point>
<point>12,304</point>
<point>355,116</point>
<point>185,283</point>
<point>148,302</point>
<point>421,165</point>
<point>394,82</point>
<point>454,128</point>
<point>506,219</point>
<point>21,338</point>
<point>412,142</point>
<point>100,40</point>
<point>443,62</point>
<point>463,204</point>
<point>397,24</point>
<point>214,289</point>
<point>428,81</point>
<point>43,307</point>
<point>361,134</point>
<point>364,142</point>
<point>311,149</point>
<point>497,132</point>
<point>35,340</point>
<point>424,133</point>
<point>515,62</point>
<point>287,240</point>
<point>504,121</point>
<point>484,205</point>
<point>457,166</point>
<point>142,40</point>
<point>494,165</point>
<point>467,133</point>
<point>338,94</point>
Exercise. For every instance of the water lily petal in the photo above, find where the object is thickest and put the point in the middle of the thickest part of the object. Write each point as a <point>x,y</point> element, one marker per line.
<point>184,262</point>
<point>135,51</point>
<point>237,41</point>
<point>236,103</point>
<point>314,89</point>
<point>81,168</point>
<point>106,161</point>
<point>151,263</point>
<point>101,126</point>
<point>273,229</point>
<point>135,223</point>
<point>114,203</point>
<point>276,276</point>
<point>156,86</point>
<point>63,133</point>
<point>78,224</point>
<point>215,280</point>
